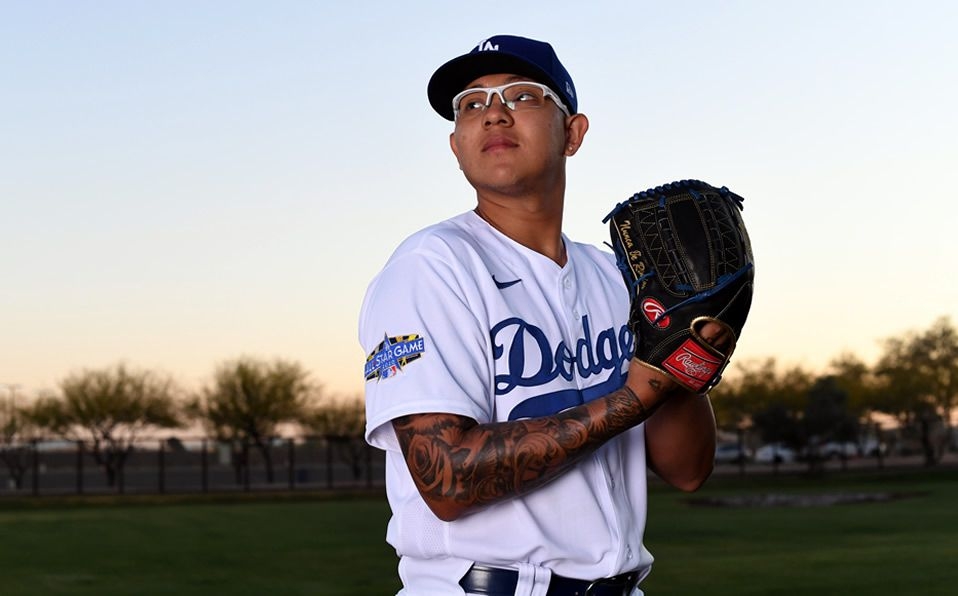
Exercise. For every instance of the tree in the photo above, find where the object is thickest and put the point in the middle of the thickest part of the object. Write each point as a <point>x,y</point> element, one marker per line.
<point>342,422</point>
<point>248,400</point>
<point>792,387</point>
<point>778,423</point>
<point>745,389</point>
<point>919,383</point>
<point>826,413</point>
<point>16,433</point>
<point>853,377</point>
<point>110,408</point>
<point>760,394</point>
<point>861,384</point>
<point>936,361</point>
<point>338,416</point>
<point>827,418</point>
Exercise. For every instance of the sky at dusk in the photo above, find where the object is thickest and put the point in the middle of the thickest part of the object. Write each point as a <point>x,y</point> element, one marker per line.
<point>184,183</point>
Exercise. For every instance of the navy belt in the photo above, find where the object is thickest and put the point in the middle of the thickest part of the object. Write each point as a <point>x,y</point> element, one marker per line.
<point>502,582</point>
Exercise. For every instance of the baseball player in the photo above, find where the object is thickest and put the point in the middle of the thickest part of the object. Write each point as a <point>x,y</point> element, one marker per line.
<point>518,429</point>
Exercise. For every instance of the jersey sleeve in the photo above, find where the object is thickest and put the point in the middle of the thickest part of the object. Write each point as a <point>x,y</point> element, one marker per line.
<point>426,349</point>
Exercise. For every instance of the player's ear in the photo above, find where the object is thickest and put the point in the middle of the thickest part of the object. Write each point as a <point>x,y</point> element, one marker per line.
<point>452,144</point>
<point>576,127</point>
<point>454,147</point>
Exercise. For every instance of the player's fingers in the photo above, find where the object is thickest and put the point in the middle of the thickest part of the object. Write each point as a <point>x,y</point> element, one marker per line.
<point>719,336</point>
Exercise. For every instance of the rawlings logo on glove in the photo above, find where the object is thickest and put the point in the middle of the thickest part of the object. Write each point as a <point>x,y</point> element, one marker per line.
<point>686,258</point>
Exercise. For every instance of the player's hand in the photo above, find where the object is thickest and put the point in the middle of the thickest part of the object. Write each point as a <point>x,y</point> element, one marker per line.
<point>652,386</point>
<point>719,336</point>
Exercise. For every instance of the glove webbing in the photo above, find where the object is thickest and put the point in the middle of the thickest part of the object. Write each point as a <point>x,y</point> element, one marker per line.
<point>723,281</point>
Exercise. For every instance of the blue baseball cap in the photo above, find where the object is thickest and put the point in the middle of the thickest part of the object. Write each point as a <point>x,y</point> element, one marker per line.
<point>501,54</point>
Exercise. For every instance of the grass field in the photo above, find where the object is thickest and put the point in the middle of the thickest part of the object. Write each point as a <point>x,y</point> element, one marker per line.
<point>904,546</point>
<point>305,544</point>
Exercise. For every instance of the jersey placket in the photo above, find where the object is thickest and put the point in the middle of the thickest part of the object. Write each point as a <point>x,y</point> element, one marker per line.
<point>607,459</point>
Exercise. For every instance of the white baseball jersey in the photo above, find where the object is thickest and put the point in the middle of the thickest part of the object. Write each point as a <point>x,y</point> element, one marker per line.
<point>464,320</point>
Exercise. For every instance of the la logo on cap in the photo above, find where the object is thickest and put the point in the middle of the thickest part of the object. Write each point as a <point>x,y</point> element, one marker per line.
<point>485,45</point>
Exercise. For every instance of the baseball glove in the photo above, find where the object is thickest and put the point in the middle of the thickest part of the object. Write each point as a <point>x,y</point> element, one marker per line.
<point>686,259</point>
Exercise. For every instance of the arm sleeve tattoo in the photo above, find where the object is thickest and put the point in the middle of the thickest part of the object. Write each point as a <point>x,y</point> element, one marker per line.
<point>461,463</point>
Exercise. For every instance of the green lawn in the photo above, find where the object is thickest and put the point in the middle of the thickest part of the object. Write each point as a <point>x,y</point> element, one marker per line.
<point>905,546</point>
<point>316,547</point>
<point>309,545</point>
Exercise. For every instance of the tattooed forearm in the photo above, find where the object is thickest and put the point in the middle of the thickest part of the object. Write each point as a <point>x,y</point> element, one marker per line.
<point>458,464</point>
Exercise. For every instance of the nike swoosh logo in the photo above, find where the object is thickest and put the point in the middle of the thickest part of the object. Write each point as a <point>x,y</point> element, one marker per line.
<point>502,285</point>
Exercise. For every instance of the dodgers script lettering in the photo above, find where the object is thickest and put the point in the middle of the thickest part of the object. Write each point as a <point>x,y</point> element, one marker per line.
<point>532,361</point>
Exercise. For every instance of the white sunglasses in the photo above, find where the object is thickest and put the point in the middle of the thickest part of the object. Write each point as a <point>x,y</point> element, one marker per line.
<point>518,96</point>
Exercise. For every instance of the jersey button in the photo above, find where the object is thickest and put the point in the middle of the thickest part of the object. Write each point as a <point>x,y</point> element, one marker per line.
<point>567,283</point>
<point>628,553</point>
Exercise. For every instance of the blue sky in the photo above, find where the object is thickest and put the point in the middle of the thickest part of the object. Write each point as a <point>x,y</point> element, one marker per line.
<point>182,183</point>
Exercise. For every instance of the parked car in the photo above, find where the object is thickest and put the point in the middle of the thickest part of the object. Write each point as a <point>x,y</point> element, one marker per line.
<point>873,448</point>
<point>731,453</point>
<point>838,449</point>
<point>775,453</point>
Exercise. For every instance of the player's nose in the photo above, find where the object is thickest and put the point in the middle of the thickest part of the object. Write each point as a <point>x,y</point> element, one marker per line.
<point>496,112</point>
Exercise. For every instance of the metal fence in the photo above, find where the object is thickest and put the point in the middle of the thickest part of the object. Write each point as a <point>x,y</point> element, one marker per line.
<point>201,465</point>
<point>191,466</point>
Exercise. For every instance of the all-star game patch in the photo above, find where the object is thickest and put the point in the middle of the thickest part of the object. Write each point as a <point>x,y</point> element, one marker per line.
<point>392,354</point>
